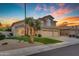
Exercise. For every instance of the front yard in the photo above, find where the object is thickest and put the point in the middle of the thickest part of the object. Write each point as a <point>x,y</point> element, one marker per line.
<point>38,39</point>
<point>22,42</point>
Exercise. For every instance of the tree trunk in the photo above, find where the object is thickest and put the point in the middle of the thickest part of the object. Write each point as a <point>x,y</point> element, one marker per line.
<point>31,40</point>
<point>27,30</point>
<point>35,32</point>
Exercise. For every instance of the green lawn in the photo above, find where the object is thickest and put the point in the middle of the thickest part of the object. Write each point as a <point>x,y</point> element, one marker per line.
<point>46,40</point>
<point>38,39</point>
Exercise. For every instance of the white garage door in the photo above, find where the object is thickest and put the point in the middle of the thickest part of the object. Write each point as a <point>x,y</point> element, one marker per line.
<point>49,33</point>
<point>46,33</point>
<point>55,34</point>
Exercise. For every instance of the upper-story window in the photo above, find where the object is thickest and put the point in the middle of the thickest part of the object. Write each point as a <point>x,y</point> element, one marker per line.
<point>49,23</point>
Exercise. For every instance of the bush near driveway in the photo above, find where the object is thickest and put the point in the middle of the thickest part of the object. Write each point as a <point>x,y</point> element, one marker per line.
<point>2,37</point>
<point>23,38</point>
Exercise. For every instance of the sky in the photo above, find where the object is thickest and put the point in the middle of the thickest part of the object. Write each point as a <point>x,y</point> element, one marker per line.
<point>36,10</point>
<point>10,10</point>
<point>57,10</point>
<point>15,11</point>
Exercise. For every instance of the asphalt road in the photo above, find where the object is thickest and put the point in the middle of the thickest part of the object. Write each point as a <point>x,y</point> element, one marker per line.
<point>65,51</point>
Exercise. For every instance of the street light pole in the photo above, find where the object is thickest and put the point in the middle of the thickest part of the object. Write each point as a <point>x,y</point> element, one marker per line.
<point>25,17</point>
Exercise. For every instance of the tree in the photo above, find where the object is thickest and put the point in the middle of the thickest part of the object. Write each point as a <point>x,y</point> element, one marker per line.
<point>30,24</point>
<point>26,25</point>
<point>33,26</point>
<point>37,26</point>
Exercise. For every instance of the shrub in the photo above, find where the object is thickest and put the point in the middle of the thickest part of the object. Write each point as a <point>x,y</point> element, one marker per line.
<point>35,34</point>
<point>22,38</point>
<point>8,29</point>
<point>27,35</point>
<point>2,36</point>
<point>39,35</point>
<point>11,34</point>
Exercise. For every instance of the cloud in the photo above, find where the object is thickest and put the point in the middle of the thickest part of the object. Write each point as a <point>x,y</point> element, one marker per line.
<point>51,8</point>
<point>38,8</point>
<point>53,11</point>
<point>45,8</point>
<point>56,12</point>
<point>68,21</point>
<point>61,12</point>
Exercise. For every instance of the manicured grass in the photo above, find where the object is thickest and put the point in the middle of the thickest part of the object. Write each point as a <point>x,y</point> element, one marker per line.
<point>19,38</point>
<point>38,39</point>
<point>46,40</point>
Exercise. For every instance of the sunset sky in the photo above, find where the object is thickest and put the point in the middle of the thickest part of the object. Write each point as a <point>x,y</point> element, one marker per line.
<point>36,10</point>
<point>58,11</point>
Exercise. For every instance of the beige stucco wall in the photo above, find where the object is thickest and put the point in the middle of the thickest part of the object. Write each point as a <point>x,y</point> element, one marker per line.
<point>44,32</point>
<point>20,30</point>
<point>17,31</point>
<point>49,33</point>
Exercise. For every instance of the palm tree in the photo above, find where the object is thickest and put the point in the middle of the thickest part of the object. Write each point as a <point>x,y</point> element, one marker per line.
<point>33,26</point>
<point>30,24</point>
<point>26,26</point>
<point>37,26</point>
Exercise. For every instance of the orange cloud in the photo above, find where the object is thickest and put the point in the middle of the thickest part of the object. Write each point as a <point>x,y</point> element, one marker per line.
<point>8,21</point>
<point>61,12</point>
<point>68,21</point>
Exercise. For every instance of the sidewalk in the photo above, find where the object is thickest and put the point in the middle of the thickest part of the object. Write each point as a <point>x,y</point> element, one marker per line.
<point>66,38</point>
<point>38,49</point>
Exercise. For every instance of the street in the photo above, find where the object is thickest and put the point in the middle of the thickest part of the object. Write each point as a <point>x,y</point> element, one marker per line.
<point>65,51</point>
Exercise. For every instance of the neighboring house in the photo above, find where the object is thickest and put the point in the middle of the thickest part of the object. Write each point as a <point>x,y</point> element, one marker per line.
<point>48,27</point>
<point>69,30</point>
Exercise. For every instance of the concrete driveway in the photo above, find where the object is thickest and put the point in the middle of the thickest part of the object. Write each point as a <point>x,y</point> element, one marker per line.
<point>66,38</point>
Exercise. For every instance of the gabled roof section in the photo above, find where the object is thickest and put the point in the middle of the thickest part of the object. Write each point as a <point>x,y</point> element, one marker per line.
<point>47,17</point>
<point>17,23</point>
